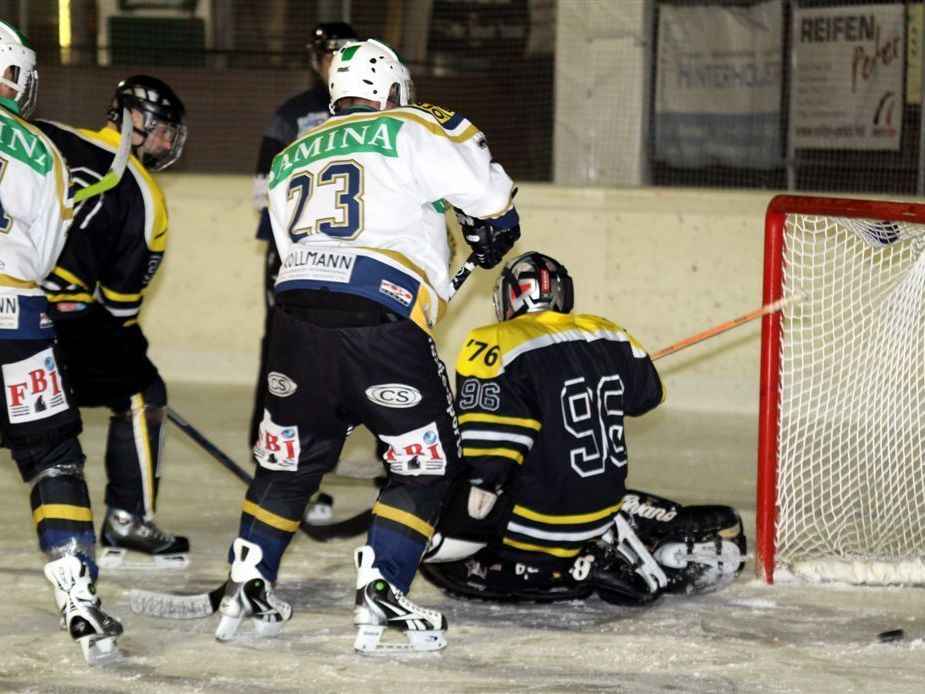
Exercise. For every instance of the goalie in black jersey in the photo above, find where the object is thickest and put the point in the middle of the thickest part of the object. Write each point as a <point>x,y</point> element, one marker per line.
<point>542,512</point>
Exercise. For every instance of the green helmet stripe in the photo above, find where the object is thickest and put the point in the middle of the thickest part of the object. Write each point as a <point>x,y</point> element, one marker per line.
<point>22,37</point>
<point>348,52</point>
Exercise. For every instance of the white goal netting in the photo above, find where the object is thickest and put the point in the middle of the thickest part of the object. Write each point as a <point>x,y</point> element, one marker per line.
<point>851,437</point>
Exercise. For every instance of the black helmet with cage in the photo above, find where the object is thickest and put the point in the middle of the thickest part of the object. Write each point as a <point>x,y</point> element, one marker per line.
<point>164,119</point>
<point>327,37</point>
<point>530,283</point>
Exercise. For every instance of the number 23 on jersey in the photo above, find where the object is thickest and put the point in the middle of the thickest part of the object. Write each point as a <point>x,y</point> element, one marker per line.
<point>329,202</point>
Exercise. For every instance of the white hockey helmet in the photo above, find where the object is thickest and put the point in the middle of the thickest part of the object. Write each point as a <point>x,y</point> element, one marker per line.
<point>530,283</point>
<point>18,58</point>
<point>369,70</point>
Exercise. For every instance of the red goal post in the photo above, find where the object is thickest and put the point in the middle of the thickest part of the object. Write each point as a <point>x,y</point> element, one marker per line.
<point>824,461</point>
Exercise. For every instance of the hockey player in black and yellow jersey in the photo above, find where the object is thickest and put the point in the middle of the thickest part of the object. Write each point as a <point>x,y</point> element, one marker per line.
<point>542,396</point>
<point>96,291</point>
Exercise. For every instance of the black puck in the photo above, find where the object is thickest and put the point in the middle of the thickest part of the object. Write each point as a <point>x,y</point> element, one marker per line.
<point>891,635</point>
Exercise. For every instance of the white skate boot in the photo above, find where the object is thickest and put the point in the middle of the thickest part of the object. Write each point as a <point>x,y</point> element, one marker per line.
<point>81,614</point>
<point>249,594</point>
<point>379,605</point>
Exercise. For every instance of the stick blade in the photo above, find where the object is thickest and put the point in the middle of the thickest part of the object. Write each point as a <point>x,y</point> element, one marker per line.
<point>175,606</point>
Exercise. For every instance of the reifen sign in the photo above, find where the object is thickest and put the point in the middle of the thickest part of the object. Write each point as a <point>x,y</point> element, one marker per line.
<point>848,77</point>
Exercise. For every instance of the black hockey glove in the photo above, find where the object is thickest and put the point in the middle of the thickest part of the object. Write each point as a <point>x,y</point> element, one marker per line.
<point>488,243</point>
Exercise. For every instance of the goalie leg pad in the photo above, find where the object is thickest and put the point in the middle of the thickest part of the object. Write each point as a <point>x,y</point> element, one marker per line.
<point>627,573</point>
<point>705,551</point>
<point>487,576</point>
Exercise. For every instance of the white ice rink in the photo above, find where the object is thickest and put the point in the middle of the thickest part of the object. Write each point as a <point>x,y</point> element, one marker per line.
<point>746,638</point>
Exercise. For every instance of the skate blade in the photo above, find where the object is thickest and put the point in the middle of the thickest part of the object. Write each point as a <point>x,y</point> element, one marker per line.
<point>265,629</point>
<point>227,627</point>
<point>120,558</point>
<point>99,650</point>
<point>368,642</point>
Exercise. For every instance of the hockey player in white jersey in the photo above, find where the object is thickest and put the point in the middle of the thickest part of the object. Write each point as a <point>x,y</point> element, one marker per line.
<point>39,422</point>
<point>357,210</point>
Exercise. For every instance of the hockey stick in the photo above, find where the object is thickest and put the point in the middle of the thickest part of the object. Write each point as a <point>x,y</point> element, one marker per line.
<point>119,162</point>
<point>797,298</point>
<point>462,274</point>
<point>175,606</point>
<point>208,446</point>
<point>349,527</point>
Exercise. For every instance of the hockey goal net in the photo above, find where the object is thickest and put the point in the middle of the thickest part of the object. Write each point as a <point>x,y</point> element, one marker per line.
<point>841,468</point>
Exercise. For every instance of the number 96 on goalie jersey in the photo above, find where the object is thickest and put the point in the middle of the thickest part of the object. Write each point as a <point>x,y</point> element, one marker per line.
<point>542,398</point>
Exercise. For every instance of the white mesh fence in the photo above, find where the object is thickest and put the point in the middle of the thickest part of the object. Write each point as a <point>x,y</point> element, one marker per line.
<point>851,475</point>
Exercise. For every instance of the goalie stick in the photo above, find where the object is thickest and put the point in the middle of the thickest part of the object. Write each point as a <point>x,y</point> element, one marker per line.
<point>117,167</point>
<point>774,307</point>
<point>799,297</point>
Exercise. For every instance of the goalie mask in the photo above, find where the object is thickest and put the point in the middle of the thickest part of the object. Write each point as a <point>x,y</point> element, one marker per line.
<point>17,68</point>
<point>531,283</point>
<point>163,130</point>
<point>369,70</point>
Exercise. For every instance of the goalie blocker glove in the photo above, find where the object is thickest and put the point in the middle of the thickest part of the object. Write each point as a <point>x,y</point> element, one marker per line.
<point>490,240</point>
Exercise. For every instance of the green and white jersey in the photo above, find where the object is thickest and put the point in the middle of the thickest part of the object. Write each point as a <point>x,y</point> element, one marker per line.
<point>357,204</point>
<point>35,214</point>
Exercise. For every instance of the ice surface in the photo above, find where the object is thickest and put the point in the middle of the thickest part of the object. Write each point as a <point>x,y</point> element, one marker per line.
<point>746,638</point>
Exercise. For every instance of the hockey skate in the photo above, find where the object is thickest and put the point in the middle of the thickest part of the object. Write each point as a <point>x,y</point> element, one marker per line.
<point>380,606</point>
<point>151,548</point>
<point>249,594</point>
<point>81,614</point>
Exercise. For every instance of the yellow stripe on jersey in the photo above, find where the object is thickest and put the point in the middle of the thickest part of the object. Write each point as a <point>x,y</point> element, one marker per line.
<point>401,259</point>
<point>420,312</point>
<point>62,512</point>
<point>489,349</point>
<point>501,452</point>
<point>81,297</point>
<point>554,551</point>
<point>407,519</point>
<point>271,519</point>
<point>60,168</point>
<point>113,295</point>
<point>156,236</point>
<point>505,209</point>
<point>573,519</point>
<point>467,134</point>
<point>484,418</point>
<point>70,277</point>
<point>61,184</point>
<point>10,281</point>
